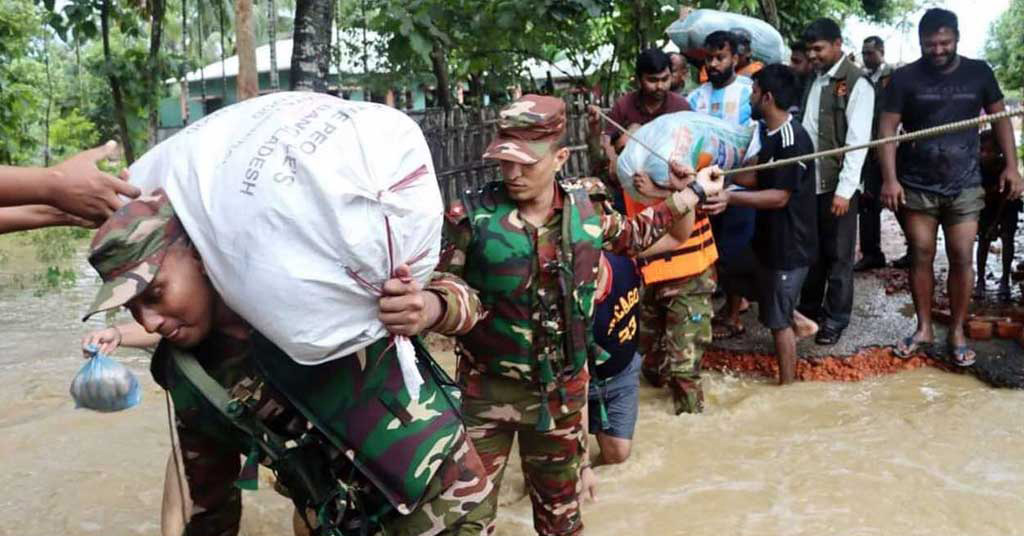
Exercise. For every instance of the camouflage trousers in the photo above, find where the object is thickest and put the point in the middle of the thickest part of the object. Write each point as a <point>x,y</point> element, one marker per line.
<point>675,327</point>
<point>456,504</point>
<point>551,464</point>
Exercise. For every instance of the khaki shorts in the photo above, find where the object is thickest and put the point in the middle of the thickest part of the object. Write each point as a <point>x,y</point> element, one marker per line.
<point>949,210</point>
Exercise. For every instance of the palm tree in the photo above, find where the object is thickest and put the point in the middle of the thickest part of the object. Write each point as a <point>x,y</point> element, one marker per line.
<point>311,45</point>
<point>248,78</point>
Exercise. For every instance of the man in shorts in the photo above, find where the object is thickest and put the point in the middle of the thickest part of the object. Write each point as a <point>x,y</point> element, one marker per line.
<point>785,237</point>
<point>612,402</point>
<point>938,180</point>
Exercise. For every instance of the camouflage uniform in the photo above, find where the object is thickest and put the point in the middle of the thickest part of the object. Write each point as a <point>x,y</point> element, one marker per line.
<point>348,424</point>
<point>675,327</point>
<point>522,357</point>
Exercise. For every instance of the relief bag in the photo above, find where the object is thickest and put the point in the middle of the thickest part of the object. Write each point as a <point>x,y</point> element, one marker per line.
<point>301,206</point>
<point>690,138</point>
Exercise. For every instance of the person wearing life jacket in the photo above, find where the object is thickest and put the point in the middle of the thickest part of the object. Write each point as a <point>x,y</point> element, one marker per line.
<point>528,246</point>
<point>350,447</point>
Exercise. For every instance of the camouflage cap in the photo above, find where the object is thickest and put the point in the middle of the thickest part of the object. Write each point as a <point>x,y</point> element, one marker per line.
<point>528,129</point>
<point>129,248</point>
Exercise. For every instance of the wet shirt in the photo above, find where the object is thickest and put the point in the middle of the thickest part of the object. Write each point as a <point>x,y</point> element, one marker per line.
<point>786,238</point>
<point>924,98</point>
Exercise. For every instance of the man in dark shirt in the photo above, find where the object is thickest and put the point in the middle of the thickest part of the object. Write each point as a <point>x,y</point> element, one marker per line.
<point>785,237</point>
<point>938,180</point>
<point>652,98</point>
<point>614,386</point>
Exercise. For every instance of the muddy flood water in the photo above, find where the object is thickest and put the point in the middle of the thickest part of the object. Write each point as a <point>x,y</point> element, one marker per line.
<point>921,452</point>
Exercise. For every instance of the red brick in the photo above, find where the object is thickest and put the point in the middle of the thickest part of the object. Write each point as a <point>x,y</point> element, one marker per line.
<point>979,330</point>
<point>1008,329</point>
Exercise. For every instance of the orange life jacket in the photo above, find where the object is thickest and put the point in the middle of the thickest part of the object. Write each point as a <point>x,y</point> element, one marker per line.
<point>691,258</point>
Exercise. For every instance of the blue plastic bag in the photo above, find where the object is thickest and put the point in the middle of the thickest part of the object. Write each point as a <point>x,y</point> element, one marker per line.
<point>105,385</point>
<point>690,138</point>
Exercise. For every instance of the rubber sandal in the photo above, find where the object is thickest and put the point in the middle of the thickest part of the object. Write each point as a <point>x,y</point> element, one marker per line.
<point>963,356</point>
<point>909,347</point>
<point>729,331</point>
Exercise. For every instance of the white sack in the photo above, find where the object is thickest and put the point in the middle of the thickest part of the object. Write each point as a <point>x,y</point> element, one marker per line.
<point>766,42</point>
<point>282,193</point>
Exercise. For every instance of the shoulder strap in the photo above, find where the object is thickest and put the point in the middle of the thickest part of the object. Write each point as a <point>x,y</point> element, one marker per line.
<point>233,410</point>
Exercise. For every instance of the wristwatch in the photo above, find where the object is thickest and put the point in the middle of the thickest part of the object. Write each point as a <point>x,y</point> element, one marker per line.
<point>702,196</point>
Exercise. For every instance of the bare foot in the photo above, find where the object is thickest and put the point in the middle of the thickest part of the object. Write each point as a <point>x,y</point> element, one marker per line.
<point>803,327</point>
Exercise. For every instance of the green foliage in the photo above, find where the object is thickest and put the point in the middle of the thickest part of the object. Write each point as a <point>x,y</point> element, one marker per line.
<point>20,79</point>
<point>71,133</point>
<point>1005,47</point>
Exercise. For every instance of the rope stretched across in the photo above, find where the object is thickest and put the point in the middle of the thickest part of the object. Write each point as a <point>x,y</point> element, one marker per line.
<point>910,136</point>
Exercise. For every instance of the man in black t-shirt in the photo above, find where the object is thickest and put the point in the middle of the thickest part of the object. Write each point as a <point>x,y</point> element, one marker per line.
<point>786,232</point>
<point>938,180</point>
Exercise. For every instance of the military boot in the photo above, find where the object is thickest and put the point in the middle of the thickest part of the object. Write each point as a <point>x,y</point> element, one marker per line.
<point>687,396</point>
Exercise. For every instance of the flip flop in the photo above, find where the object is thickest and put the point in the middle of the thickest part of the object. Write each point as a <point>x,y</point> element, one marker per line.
<point>963,356</point>
<point>909,347</point>
<point>729,331</point>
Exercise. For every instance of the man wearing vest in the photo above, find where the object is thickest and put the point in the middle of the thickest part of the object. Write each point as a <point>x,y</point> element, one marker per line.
<point>349,446</point>
<point>839,105</point>
<point>870,218</point>
<point>727,96</point>
<point>529,247</point>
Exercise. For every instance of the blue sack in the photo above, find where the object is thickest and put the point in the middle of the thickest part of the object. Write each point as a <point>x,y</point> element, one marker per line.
<point>690,138</point>
<point>105,385</point>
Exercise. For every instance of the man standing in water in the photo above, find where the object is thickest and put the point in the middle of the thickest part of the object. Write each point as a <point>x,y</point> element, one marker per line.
<point>838,107</point>
<point>529,246</point>
<point>938,181</point>
<point>339,457</point>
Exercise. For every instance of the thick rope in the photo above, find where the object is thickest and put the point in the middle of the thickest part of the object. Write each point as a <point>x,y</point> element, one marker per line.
<point>910,136</point>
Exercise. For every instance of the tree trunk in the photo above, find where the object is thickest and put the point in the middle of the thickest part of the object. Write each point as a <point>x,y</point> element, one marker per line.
<point>439,63</point>
<point>202,61</point>
<point>115,84</point>
<point>311,45</point>
<point>770,12</point>
<point>156,25</point>
<point>248,77</point>
<point>49,99</point>
<point>223,54</point>
<point>184,53</point>
<point>275,82</point>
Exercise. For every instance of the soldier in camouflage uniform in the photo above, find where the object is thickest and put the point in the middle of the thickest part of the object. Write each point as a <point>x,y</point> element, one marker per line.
<point>529,247</point>
<point>348,444</point>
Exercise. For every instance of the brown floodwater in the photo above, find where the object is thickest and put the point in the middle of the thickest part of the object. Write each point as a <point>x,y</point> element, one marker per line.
<point>918,452</point>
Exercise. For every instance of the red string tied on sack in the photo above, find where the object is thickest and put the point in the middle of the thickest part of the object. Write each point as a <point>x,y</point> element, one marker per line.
<point>404,348</point>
